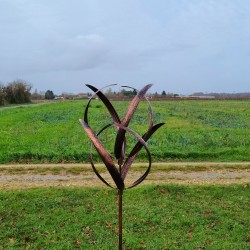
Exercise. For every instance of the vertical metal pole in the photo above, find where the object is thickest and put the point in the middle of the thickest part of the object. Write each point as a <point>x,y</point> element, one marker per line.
<point>120,192</point>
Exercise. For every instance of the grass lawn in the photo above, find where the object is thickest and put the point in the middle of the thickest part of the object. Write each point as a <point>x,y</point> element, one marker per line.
<point>155,217</point>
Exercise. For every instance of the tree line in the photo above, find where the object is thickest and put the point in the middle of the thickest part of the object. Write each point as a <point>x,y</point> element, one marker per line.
<point>19,92</point>
<point>223,95</point>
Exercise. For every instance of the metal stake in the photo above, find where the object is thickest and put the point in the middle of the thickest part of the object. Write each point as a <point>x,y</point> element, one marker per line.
<point>120,192</point>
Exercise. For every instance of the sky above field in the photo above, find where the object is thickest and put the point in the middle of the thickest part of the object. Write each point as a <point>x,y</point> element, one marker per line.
<point>181,46</point>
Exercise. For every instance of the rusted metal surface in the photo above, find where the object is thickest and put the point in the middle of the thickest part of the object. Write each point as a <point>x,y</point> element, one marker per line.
<point>120,166</point>
<point>119,169</point>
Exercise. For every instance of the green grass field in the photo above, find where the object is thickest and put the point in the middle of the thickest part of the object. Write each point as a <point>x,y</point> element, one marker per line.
<point>213,130</point>
<point>155,217</point>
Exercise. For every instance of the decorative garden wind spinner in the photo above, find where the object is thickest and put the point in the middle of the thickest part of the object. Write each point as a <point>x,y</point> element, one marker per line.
<point>119,167</point>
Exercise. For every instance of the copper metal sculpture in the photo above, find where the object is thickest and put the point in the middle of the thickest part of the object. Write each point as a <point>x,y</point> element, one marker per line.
<point>124,161</point>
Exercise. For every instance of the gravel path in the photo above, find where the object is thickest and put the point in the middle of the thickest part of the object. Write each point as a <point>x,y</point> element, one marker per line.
<point>44,175</point>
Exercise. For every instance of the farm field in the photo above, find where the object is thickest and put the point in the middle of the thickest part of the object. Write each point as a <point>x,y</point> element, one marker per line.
<point>195,130</point>
<point>193,217</point>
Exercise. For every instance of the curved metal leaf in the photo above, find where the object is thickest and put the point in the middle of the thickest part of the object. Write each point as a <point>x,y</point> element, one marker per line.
<point>140,139</point>
<point>145,137</point>
<point>96,171</point>
<point>110,109</point>
<point>105,156</point>
<point>125,121</point>
<point>137,148</point>
<point>151,120</point>
<point>91,158</point>
<point>106,102</point>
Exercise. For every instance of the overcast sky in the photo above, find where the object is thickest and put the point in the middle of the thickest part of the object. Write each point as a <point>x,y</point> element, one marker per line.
<point>181,46</point>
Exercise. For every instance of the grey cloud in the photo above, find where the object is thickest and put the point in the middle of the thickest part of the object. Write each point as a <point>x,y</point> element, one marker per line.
<point>60,53</point>
<point>121,41</point>
<point>77,53</point>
